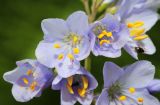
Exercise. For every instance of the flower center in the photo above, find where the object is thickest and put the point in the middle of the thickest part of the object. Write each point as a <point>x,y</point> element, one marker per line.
<point>77,84</point>
<point>28,81</point>
<point>136,30</point>
<point>103,36</point>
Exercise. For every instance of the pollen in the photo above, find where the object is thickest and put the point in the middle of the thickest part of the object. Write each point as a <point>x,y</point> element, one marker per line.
<point>104,41</point>
<point>138,38</point>
<point>137,32</point>
<point>138,24</point>
<point>75,39</point>
<point>70,56</point>
<point>109,34</point>
<point>33,85</point>
<point>104,33</point>
<point>25,80</point>
<point>70,80</point>
<point>140,100</point>
<point>29,72</point>
<point>85,82</point>
<point>76,50</point>
<point>132,90</point>
<point>130,25</point>
<point>60,56</point>
<point>57,46</point>
<point>82,92</point>
<point>70,89</point>
<point>122,98</point>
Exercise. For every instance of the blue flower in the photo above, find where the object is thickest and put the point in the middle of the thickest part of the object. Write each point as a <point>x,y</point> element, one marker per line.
<point>127,86</point>
<point>108,36</point>
<point>65,43</point>
<point>78,87</point>
<point>140,17</point>
<point>28,79</point>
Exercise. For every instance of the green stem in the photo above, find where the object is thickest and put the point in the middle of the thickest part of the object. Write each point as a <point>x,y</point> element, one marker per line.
<point>87,63</point>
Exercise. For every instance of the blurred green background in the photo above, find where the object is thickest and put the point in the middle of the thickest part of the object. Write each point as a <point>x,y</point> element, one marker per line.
<point>20,33</point>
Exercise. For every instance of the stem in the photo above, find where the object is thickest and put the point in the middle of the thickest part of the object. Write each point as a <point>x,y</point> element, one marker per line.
<point>86,6</point>
<point>87,63</point>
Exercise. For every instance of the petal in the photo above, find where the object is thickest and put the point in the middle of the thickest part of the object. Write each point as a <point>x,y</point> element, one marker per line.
<point>85,49</point>
<point>23,94</point>
<point>103,98</point>
<point>147,98</point>
<point>67,67</point>
<point>130,48</point>
<point>137,75</point>
<point>57,83</point>
<point>87,100</point>
<point>148,17</point>
<point>66,97</point>
<point>78,23</point>
<point>47,54</point>
<point>154,86</point>
<point>111,73</point>
<point>54,29</point>
<point>148,46</point>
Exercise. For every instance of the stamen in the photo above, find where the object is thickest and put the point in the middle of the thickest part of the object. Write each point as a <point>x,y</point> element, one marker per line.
<point>137,32</point>
<point>130,25</point>
<point>104,41</point>
<point>29,72</point>
<point>82,92</point>
<point>104,33</point>
<point>100,36</point>
<point>70,56</point>
<point>75,39</point>
<point>57,46</point>
<point>85,82</point>
<point>138,24</point>
<point>76,50</point>
<point>138,38</point>
<point>132,90</point>
<point>140,100</point>
<point>33,85</point>
<point>122,98</point>
<point>60,56</point>
<point>70,80</point>
<point>70,89</point>
<point>25,80</point>
<point>109,34</point>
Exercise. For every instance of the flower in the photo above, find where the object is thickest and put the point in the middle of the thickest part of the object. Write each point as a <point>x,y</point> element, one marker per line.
<point>108,36</point>
<point>78,87</point>
<point>127,86</point>
<point>139,18</point>
<point>154,86</point>
<point>65,43</point>
<point>28,79</point>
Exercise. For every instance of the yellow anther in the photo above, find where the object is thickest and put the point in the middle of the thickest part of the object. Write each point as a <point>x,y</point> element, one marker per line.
<point>122,98</point>
<point>57,46</point>
<point>104,41</point>
<point>25,80</point>
<point>70,56</point>
<point>130,25</point>
<point>70,80</point>
<point>60,56</point>
<point>138,38</point>
<point>101,35</point>
<point>138,24</point>
<point>75,39</point>
<point>76,50</point>
<point>109,34</point>
<point>140,100</point>
<point>85,82</point>
<point>29,72</point>
<point>33,85</point>
<point>82,92</point>
<point>70,89</point>
<point>137,32</point>
<point>132,90</point>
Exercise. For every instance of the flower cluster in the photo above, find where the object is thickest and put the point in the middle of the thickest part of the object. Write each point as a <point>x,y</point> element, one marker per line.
<point>67,42</point>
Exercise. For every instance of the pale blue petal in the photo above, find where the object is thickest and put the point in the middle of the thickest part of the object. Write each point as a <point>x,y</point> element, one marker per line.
<point>154,86</point>
<point>137,75</point>
<point>78,23</point>
<point>54,29</point>
<point>87,100</point>
<point>103,98</point>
